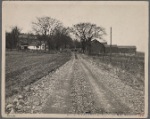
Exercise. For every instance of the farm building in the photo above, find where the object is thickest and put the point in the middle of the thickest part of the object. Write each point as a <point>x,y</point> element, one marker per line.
<point>23,46</point>
<point>100,47</point>
<point>97,47</point>
<point>31,42</point>
<point>112,48</point>
<point>27,38</point>
<point>36,46</point>
<point>126,49</point>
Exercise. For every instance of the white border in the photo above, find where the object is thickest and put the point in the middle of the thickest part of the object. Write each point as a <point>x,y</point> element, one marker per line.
<point>68,115</point>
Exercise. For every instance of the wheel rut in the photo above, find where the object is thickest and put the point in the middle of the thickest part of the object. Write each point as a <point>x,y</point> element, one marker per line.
<point>105,97</point>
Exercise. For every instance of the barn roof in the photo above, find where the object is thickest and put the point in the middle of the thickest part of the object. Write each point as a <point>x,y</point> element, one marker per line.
<point>99,40</point>
<point>23,36</point>
<point>126,46</point>
<point>109,45</point>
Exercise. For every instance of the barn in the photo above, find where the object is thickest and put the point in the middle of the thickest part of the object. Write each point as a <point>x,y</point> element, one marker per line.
<point>101,47</point>
<point>112,48</point>
<point>97,47</point>
<point>127,49</point>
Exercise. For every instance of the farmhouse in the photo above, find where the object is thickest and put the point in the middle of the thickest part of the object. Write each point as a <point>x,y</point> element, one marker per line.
<point>27,37</point>
<point>24,40</point>
<point>31,42</point>
<point>36,46</point>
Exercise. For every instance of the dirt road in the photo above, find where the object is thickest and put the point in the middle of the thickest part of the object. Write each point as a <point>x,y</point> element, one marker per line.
<point>80,87</point>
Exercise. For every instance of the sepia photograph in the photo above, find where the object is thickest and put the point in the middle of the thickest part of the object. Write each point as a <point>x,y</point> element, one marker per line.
<point>75,59</point>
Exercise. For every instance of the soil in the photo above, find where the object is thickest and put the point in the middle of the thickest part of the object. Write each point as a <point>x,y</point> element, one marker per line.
<point>79,87</point>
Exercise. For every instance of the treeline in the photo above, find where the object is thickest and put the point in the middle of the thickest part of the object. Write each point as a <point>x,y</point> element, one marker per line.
<point>52,32</point>
<point>12,38</point>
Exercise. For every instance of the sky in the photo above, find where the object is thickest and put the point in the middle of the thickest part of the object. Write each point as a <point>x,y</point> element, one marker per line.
<point>128,19</point>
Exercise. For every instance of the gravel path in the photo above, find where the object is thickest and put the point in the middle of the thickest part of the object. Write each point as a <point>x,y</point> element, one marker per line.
<point>114,94</point>
<point>78,87</point>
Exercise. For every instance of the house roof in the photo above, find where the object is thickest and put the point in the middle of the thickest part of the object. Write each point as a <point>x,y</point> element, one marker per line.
<point>34,44</point>
<point>23,36</point>
<point>27,36</point>
<point>24,44</point>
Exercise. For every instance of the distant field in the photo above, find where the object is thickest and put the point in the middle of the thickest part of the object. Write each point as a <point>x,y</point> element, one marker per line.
<point>24,68</point>
<point>130,63</point>
<point>129,68</point>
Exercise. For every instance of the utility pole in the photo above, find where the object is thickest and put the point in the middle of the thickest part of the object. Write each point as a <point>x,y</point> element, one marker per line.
<point>110,43</point>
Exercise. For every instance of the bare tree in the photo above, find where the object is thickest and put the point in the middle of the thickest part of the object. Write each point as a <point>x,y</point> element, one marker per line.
<point>62,38</point>
<point>85,32</point>
<point>46,27</point>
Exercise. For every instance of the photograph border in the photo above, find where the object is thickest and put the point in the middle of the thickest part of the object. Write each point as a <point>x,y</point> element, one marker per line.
<point>3,115</point>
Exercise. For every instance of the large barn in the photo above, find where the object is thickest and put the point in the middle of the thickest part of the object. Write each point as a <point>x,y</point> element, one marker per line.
<point>101,47</point>
<point>97,47</point>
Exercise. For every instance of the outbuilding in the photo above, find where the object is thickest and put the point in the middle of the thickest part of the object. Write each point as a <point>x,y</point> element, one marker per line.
<point>127,49</point>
